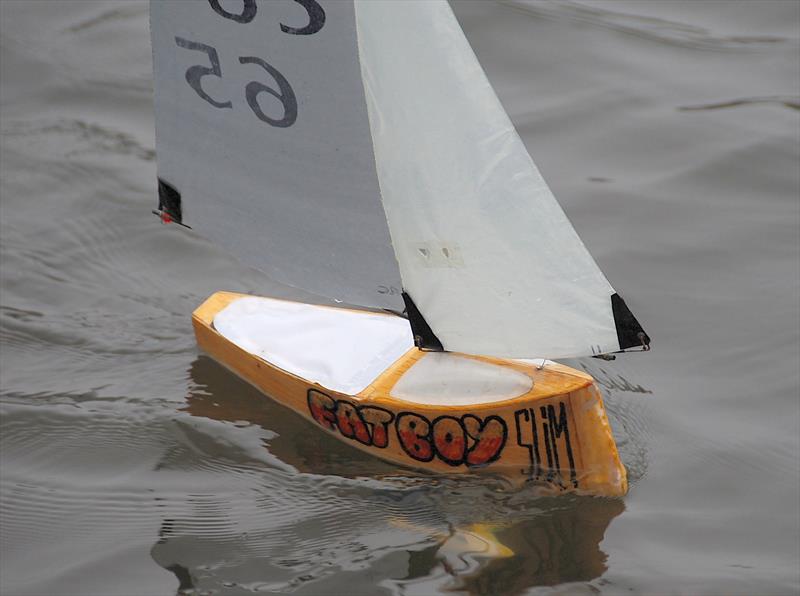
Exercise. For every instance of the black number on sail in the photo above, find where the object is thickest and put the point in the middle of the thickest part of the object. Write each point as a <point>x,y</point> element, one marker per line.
<point>316,19</point>
<point>248,11</point>
<point>285,95</point>
<point>194,74</point>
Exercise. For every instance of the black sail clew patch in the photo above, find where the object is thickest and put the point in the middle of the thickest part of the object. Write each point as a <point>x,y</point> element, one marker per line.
<point>424,337</point>
<point>629,332</point>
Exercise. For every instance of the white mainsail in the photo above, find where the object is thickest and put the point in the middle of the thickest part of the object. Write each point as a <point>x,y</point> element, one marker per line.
<point>380,112</point>
<point>262,130</point>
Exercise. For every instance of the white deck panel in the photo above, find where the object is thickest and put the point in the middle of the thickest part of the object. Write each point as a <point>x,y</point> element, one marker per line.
<point>340,349</point>
<point>345,351</point>
<point>443,378</point>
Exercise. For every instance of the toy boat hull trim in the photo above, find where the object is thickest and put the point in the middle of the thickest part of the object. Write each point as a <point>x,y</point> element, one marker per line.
<point>442,413</point>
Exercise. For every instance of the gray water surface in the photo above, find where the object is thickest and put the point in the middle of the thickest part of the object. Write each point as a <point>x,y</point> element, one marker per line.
<point>132,465</point>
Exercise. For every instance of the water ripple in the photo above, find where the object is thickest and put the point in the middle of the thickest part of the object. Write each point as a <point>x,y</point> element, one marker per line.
<point>793,103</point>
<point>651,28</point>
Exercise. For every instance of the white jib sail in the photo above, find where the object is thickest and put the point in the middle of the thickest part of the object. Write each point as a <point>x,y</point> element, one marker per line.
<point>484,249</point>
<point>263,141</point>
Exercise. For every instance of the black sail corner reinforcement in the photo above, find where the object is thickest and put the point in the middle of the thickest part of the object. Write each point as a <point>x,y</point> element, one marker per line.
<point>424,337</point>
<point>629,332</point>
<point>169,204</point>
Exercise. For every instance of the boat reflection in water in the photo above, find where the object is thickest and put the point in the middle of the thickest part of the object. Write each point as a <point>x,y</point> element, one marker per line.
<point>317,516</point>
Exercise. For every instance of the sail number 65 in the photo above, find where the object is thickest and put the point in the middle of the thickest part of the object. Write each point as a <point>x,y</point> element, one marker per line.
<point>285,93</point>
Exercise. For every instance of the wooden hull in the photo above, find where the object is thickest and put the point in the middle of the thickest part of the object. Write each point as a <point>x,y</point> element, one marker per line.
<point>556,435</point>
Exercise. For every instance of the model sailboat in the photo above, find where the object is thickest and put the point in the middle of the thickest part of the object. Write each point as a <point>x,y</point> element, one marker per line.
<point>355,149</point>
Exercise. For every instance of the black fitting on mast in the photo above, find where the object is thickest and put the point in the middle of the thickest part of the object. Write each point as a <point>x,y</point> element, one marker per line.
<point>424,337</point>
